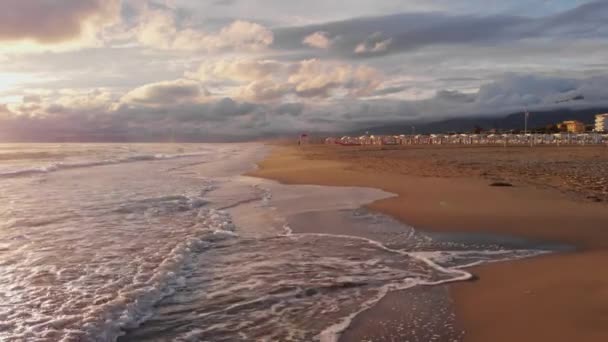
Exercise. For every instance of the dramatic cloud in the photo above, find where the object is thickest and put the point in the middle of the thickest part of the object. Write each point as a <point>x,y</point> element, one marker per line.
<point>226,116</point>
<point>265,80</point>
<point>52,21</point>
<point>526,90</point>
<point>374,36</point>
<point>42,25</point>
<point>314,78</point>
<point>217,70</point>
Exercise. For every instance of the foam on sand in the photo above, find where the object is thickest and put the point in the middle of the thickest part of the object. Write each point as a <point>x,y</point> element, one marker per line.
<point>276,282</point>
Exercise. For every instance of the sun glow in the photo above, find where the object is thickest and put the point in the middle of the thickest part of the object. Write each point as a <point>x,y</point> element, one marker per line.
<point>12,83</point>
<point>9,81</point>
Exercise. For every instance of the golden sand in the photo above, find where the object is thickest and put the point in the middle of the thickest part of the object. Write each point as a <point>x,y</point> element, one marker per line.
<point>556,196</point>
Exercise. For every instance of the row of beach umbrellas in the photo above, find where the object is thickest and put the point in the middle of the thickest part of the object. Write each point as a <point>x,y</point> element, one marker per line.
<point>557,138</point>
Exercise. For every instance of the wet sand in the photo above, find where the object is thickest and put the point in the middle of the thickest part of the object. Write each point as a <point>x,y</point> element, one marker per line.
<point>560,297</point>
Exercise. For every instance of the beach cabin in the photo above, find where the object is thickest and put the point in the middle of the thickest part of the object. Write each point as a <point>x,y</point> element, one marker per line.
<point>349,141</point>
<point>435,139</point>
<point>402,139</point>
<point>388,140</point>
<point>365,140</point>
<point>331,141</point>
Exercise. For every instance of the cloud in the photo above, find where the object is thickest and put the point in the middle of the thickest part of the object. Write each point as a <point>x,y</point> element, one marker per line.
<point>42,25</point>
<point>292,108</point>
<point>455,96</point>
<point>158,28</point>
<point>314,78</point>
<point>217,68</point>
<point>264,90</point>
<point>244,34</point>
<point>408,32</point>
<point>185,120</point>
<point>94,115</point>
<point>534,90</point>
<point>224,2</point>
<point>32,99</point>
<point>63,101</point>
<point>319,40</point>
<point>4,111</point>
<point>378,47</point>
<point>391,90</point>
<point>52,21</point>
<point>93,100</point>
<point>583,21</point>
<point>167,92</point>
<point>267,80</point>
<point>239,70</point>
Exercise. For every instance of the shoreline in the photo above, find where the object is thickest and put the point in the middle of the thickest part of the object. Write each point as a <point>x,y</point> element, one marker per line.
<point>517,300</point>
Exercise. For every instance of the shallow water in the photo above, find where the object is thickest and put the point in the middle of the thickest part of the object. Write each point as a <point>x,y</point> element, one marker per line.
<point>157,242</point>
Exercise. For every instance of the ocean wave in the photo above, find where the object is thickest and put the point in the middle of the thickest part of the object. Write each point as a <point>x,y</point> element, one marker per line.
<point>53,167</point>
<point>136,248</point>
<point>98,303</point>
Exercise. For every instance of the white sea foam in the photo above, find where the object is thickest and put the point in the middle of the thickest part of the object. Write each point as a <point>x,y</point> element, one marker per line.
<point>87,255</point>
<point>332,333</point>
<point>56,166</point>
<point>200,253</point>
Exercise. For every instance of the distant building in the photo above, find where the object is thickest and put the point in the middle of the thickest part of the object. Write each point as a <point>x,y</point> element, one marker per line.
<point>572,126</point>
<point>601,123</point>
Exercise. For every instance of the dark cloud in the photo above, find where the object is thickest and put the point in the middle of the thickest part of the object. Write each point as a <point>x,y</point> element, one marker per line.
<point>460,79</point>
<point>586,20</point>
<point>48,21</point>
<point>214,120</point>
<point>227,108</point>
<point>229,118</point>
<point>391,90</point>
<point>454,96</point>
<point>293,109</point>
<point>378,36</point>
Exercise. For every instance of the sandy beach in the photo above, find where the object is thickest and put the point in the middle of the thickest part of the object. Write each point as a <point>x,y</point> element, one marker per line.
<point>555,195</point>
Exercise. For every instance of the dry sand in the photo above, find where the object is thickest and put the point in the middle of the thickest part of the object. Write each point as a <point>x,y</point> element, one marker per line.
<point>557,196</point>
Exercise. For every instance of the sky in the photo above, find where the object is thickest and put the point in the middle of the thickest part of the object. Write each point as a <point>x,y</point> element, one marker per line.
<point>242,69</point>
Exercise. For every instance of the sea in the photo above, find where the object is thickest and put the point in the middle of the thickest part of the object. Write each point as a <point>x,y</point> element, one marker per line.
<point>173,242</point>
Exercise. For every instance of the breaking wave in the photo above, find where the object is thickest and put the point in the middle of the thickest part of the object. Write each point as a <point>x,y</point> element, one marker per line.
<point>74,165</point>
